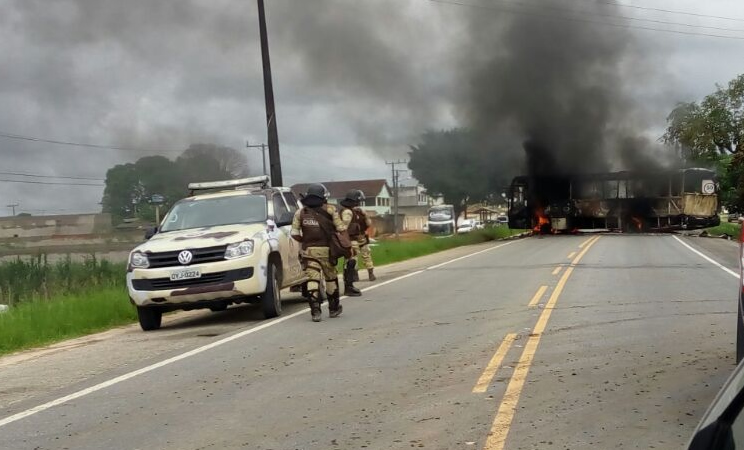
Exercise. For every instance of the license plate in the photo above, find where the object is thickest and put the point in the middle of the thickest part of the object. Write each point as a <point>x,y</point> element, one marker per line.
<point>185,274</point>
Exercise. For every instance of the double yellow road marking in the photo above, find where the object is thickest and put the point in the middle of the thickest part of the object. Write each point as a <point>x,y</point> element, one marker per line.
<point>507,409</point>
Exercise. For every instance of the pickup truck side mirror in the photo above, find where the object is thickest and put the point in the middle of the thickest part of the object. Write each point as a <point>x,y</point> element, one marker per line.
<point>284,219</point>
<point>151,232</point>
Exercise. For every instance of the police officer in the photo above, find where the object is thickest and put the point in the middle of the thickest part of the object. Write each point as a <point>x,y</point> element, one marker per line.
<point>357,224</point>
<point>313,226</point>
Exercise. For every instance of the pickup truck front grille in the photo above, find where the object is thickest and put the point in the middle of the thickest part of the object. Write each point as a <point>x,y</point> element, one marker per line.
<point>201,255</point>
<point>161,284</point>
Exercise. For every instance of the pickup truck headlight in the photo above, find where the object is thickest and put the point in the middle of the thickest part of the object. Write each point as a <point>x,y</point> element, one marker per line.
<point>239,250</point>
<point>139,260</point>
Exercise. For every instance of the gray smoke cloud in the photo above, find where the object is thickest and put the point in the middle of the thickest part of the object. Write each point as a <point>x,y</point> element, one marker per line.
<point>563,87</point>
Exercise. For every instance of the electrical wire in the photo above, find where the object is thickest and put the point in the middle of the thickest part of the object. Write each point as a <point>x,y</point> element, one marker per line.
<point>577,19</point>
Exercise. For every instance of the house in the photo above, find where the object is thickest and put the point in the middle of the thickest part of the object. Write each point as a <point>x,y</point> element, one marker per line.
<point>379,198</point>
<point>414,195</point>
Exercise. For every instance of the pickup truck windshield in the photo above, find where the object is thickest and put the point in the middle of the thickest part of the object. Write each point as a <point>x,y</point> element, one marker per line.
<point>211,212</point>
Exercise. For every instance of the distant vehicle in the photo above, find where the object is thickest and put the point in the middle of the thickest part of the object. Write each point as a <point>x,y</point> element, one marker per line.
<point>502,220</point>
<point>466,226</point>
<point>230,245</point>
<point>733,217</point>
<point>441,220</point>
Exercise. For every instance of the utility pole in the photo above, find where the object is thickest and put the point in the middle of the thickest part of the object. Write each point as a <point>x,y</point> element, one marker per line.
<point>13,207</point>
<point>263,153</point>
<point>395,191</point>
<point>274,161</point>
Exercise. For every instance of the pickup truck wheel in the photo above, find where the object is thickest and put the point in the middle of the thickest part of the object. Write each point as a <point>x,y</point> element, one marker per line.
<point>271,300</point>
<point>149,318</point>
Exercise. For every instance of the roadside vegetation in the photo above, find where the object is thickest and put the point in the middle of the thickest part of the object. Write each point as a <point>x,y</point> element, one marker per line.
<point>51,302</point>
<point>733,230</point>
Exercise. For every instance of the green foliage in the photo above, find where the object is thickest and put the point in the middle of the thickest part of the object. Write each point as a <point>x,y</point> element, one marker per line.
<point>129,187</point>
<point>64,316</point>
<point>732,230</point>
<point>713,127</point>
<point>456,164</point>
<point>28,280</point>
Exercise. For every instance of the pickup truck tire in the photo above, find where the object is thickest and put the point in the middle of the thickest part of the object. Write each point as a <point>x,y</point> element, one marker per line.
<point>271,300</point>
<point>149,318</point>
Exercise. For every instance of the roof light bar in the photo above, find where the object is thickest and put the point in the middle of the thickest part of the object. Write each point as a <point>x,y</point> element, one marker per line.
<point>262,180</point>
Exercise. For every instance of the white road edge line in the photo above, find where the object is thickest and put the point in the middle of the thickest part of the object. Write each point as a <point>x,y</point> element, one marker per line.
<point>196,351</point>
<point>710,260</point>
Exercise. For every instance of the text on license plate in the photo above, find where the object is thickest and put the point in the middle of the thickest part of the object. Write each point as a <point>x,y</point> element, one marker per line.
<point>185,274</point>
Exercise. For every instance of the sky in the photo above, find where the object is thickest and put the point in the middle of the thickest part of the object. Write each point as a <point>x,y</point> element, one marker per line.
<point>356,81</point>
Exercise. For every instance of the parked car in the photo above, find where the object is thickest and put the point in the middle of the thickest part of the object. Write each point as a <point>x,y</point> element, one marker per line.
<point>733,217</point>
<point>466,226</point>
<point>228,244</point>
<point>503,220</point>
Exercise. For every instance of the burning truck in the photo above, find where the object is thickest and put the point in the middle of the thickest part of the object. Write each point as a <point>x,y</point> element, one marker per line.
<point>623,201</point>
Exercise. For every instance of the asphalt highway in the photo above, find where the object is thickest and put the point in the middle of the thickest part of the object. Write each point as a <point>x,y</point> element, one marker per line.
<point>565,342</point>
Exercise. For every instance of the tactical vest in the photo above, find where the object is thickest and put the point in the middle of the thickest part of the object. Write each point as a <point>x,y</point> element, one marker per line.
<point>313,234</point>
<point>357,226</point>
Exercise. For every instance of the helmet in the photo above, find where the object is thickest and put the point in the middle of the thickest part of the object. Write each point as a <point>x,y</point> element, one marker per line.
<point>317,190</point>
<point>355,195</point>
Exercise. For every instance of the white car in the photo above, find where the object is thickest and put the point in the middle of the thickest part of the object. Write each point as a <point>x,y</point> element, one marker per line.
<point>466,226</point>
<point>215,249</point>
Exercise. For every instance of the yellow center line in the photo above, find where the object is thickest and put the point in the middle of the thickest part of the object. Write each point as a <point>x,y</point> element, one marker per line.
<point>557,270</point>
<point>505,415</point>
<point>485,379</point>
<point>571,255</point>
<point>538,295</point>
<point>583,244</point>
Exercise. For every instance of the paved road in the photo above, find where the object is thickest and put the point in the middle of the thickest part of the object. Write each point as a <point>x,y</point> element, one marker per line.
<point>624,347</point>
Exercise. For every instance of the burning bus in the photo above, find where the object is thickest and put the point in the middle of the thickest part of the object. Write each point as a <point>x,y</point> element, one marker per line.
<point>625,201</point>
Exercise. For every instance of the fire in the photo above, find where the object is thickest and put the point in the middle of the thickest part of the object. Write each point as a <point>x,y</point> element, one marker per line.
<point>543,222</point>
<point>638,223</point>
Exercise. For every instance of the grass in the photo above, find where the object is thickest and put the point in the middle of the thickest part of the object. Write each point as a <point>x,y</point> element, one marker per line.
<point>730,229</point>
<point>40,322</point>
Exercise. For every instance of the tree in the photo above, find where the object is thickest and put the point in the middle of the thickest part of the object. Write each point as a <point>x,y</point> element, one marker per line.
<point>129,187</point>
<point>454,163</point>
<point>710,133</point>
<point>709,129</point>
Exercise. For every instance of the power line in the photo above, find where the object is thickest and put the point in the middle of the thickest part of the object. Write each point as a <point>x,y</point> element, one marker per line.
<point>81,144</point>
<point>612,16</point>
<point>577,19</point>
<point>34,175</point>
<point>668,11</point>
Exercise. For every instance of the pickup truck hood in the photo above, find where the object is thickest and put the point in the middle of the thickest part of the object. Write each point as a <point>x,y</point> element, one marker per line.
<point>201,237</point>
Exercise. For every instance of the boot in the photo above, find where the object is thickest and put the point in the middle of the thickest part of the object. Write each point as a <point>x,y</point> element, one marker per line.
<point>349,288</point>
<point>334,305</point>
<point>351,291</point>
<point>315,311</point>
<point>371,273</point>
<point>356,275</point>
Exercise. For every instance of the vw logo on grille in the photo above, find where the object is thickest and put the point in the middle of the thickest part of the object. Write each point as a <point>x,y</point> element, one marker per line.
<point>185,257</point>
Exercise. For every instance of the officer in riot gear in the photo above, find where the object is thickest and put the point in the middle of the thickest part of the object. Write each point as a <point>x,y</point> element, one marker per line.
<point>313,226</point>
<point>357,223</point>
